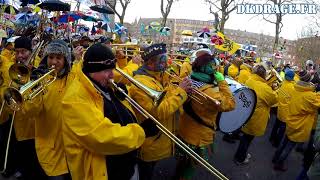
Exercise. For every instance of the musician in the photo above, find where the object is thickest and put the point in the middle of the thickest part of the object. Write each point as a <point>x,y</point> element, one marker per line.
<point>257,124</point>
<point>24,124</point>
<point>234,68</point>
<point>151,74</point>
<point>48,125</point>
<point>202,118</point>
<point>284,96</point>
<point>23,49</point>
<point>93,116</point>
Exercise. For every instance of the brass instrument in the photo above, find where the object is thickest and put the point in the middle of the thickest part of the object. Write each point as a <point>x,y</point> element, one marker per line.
<point>273,78</point>
<point>196,91</point>
<point>15,98</point>
<point>155,95</point>
<point>168,133</point>
<point>125,49</point>
<point>20,72</point>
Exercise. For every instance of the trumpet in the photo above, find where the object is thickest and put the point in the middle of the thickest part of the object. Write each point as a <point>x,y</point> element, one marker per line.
<point>168,133</point>
<point>15,98</point>
<point>196,91</point>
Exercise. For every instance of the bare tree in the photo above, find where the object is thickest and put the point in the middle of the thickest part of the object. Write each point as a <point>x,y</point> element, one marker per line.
<point>124,4</point>
<point>225,7</point>
<point>165,10</point>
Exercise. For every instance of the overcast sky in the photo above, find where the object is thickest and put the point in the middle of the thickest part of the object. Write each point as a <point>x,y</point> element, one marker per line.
<point>197,9</point>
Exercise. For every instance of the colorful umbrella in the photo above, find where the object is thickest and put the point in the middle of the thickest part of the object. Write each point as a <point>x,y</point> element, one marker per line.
<point>217,40</point>
<point>9,9</point>
<point>65,18</point>
<point>148,27</point>
<point>203,34</point>
<point>3,33</point>
<point>187,33</point>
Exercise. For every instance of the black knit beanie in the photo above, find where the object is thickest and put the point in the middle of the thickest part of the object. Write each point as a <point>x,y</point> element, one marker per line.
<point>23,42</point>
<point>97,58</point>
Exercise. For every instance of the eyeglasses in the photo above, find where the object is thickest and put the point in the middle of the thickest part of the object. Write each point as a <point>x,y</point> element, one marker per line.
<point>105,62</point>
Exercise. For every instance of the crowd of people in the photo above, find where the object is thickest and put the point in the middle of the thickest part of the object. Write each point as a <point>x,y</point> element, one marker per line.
<point>81,126</point>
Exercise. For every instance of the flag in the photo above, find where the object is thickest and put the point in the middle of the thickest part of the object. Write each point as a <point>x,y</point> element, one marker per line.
<point>142,28</point>
<point>228,45</point>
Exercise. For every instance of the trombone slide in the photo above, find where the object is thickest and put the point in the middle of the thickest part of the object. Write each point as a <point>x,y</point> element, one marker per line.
<point>174,138</point>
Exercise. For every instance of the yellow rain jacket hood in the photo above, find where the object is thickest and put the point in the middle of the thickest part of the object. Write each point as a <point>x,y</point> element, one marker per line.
<point>245,73</point>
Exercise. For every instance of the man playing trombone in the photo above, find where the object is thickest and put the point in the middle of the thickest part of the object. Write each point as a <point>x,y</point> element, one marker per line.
<point>95,122</point>
<point>151,74</point>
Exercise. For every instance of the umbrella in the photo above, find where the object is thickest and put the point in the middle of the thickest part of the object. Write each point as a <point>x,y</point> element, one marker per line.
<point>3,33</point>
<point>26,2</point>
<point>164,29</point>
<point>12,39</point>
<point>23,17</point>
<point>9,9</point>
<point>90,18</point>
<point>55,5</point>
<point>7,23</point>
<point>187,33</point>
<point>203,34</point>
<point>217,40</point>
<point>148,27</point>
<point>102,9</point>
<point>65,18</point>
<point>106,27</point>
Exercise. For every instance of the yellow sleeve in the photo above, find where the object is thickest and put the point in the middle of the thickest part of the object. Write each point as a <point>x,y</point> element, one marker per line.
<point>172,101</point>
<point>270,96</point>
<point>314,99</point>
<point>185,69</point>
<point>225,96</point>
<point>97,133</point>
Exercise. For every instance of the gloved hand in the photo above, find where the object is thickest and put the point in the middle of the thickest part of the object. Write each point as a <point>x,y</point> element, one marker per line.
<point>119,94</point>
<point>218,76</point>
<point>149,127</point>
<point>37,73</point>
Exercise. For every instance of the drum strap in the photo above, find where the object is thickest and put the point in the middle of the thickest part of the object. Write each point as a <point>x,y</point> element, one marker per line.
<point>188,109</point>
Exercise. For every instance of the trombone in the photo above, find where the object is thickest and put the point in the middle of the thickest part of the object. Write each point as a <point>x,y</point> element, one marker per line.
<point>168,133</point>
<point>125,48</point>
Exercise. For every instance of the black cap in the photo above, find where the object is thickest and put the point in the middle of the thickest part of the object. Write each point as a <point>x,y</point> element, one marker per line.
<point>23,42</point>
<point>97,58</point>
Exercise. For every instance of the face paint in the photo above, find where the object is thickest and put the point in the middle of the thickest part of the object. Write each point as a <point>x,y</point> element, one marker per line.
<point>161,63</point>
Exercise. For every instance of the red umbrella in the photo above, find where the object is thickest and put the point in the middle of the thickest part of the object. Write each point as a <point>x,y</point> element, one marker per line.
<point>216,40</point>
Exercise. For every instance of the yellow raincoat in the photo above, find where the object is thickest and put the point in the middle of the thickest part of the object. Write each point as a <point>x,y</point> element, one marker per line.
<point>303,110</point>
<point>185,69</point>
<point>7,53</point>
<point>160,146</point>
<point>296,77</point>
<point>284,96</point>
<point>129,68</point>
<point>48,128</point>
<point>245,73</point>
<point>197,134</point>
<point>88,136</point>
<point>233,71</point>
<point>266,98</point>
<point>4,70</point>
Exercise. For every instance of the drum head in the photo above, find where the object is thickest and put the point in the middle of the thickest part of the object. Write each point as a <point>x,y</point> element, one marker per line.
<point>245,104</point>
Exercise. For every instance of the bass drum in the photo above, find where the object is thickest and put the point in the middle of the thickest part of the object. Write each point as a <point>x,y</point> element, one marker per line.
<point>246,99</point>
